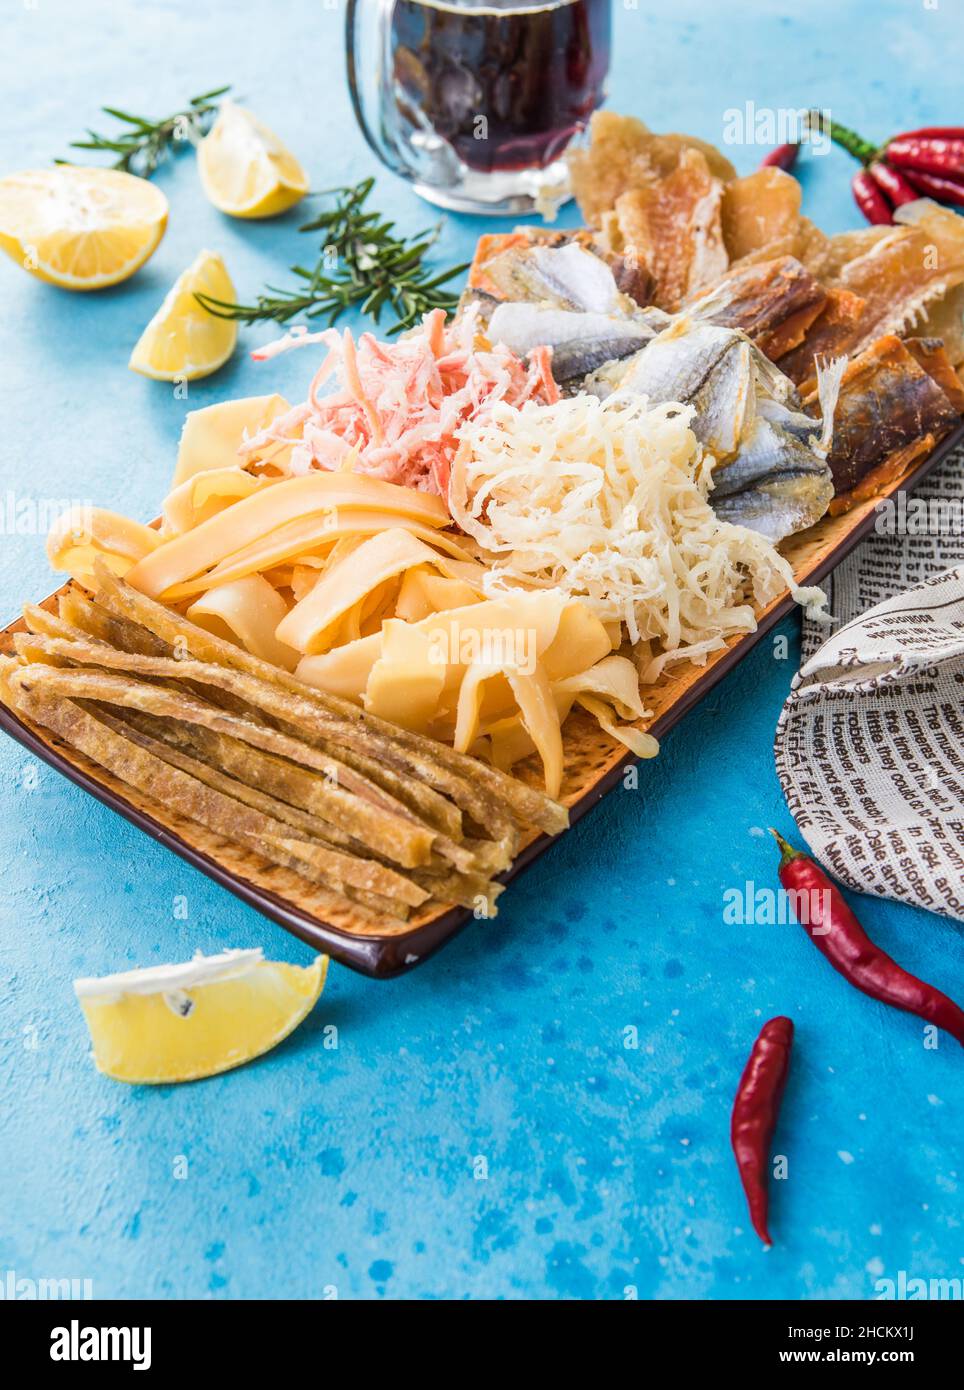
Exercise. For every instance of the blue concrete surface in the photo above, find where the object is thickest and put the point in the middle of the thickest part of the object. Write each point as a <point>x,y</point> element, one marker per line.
<point>482,1129</point>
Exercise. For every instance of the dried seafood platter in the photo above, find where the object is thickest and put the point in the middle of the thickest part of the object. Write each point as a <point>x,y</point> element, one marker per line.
<point>383,643</point>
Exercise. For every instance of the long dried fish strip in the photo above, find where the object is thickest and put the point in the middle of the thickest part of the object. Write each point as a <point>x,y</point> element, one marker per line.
<point>527,804</point>
<point>173,789</point>
<point>400,840</point>
<point>84,613</point>
<point>340,869</point>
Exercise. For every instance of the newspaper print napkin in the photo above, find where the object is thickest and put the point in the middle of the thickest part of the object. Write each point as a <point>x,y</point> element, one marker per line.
<point>870,744</point>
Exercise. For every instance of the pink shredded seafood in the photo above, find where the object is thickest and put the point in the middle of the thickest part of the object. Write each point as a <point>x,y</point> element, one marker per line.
<point>399,406</point>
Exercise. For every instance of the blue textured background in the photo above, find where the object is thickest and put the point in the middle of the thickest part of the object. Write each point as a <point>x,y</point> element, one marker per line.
<point>356,1169</point>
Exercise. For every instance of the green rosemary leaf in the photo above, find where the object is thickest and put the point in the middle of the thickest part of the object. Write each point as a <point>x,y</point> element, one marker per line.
<point>362,264</point>
<point>143,147</point>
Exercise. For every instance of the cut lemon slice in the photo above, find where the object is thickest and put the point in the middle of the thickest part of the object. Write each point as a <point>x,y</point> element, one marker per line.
<point>181,1022</point>
<point>245,169</point>
<point>183,341</point>
<point>80,228</point>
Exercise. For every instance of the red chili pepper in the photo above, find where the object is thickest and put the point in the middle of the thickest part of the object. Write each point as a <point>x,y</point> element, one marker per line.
<point>783,157</point>
<point>870,199</point>
<point>942,187</point>
<point>930,132</point>
<point>836,932</point>
<point>929,153</point>
<point>755,1112</point>
<point>896,188</point>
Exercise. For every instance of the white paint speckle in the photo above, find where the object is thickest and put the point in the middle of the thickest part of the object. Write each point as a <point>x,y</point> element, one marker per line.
<point>875,1266</point>
<point>844,1156</point>
<point>756,832</point>
<point>876,1229</point>
<point>934,1100</point>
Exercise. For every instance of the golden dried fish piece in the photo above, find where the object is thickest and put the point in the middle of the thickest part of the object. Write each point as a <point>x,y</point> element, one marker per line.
<point>624,154</point>
<point>902,275</point>
<point>886,403</point>
<point>806,243</point>
<point>931,354</point>
<point>672,227</point>
<point>944,319</point>
<point>773,302</point>
<point>832,335</point>
<point>759,210</point>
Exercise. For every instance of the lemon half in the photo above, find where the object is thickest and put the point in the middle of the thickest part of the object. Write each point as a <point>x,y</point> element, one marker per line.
<point>245,169</point>
<point>182,1022</point>
<point>80,228</point>
<point>183,341</point>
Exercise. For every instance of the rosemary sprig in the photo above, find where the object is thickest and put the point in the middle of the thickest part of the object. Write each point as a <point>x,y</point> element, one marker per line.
<point>361,263</point>
<point>142,147</point>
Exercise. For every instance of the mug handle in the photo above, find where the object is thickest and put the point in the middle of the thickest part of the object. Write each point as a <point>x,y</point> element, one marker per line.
<point>385,153</point>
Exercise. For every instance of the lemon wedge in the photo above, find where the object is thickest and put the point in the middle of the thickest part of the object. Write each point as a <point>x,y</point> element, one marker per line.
<point>181,1022</point>
<point>245,169</point>
<point>80,228</point>
<point>183,341</point>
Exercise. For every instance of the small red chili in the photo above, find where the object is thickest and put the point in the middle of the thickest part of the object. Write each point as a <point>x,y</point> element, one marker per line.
<point>870,199</point>
<point>755,1112</point>
<point>783,157</point>
<point>835,931</point>
<point>895,187</point>
<point>930,153</point>
<point>939,132</point>
<point>939,186</point>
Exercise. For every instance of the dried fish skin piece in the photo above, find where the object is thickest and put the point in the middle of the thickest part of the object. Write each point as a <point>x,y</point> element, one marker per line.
<point>806,244</point>
<point>673,228</point>
<point>944,319</point>
<point>886,402</point>
<point>832,335</point>
<point>883,475</point>
<point>931,355</point>
<point>773,302</point>
<point>624,154</point>
<point>759,210</point>
<point>902,275</point>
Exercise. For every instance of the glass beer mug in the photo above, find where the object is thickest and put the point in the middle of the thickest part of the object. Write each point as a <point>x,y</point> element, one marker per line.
<point>474,101</point>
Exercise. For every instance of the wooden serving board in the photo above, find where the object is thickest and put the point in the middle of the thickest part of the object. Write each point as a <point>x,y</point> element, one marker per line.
<point>594,764</point>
